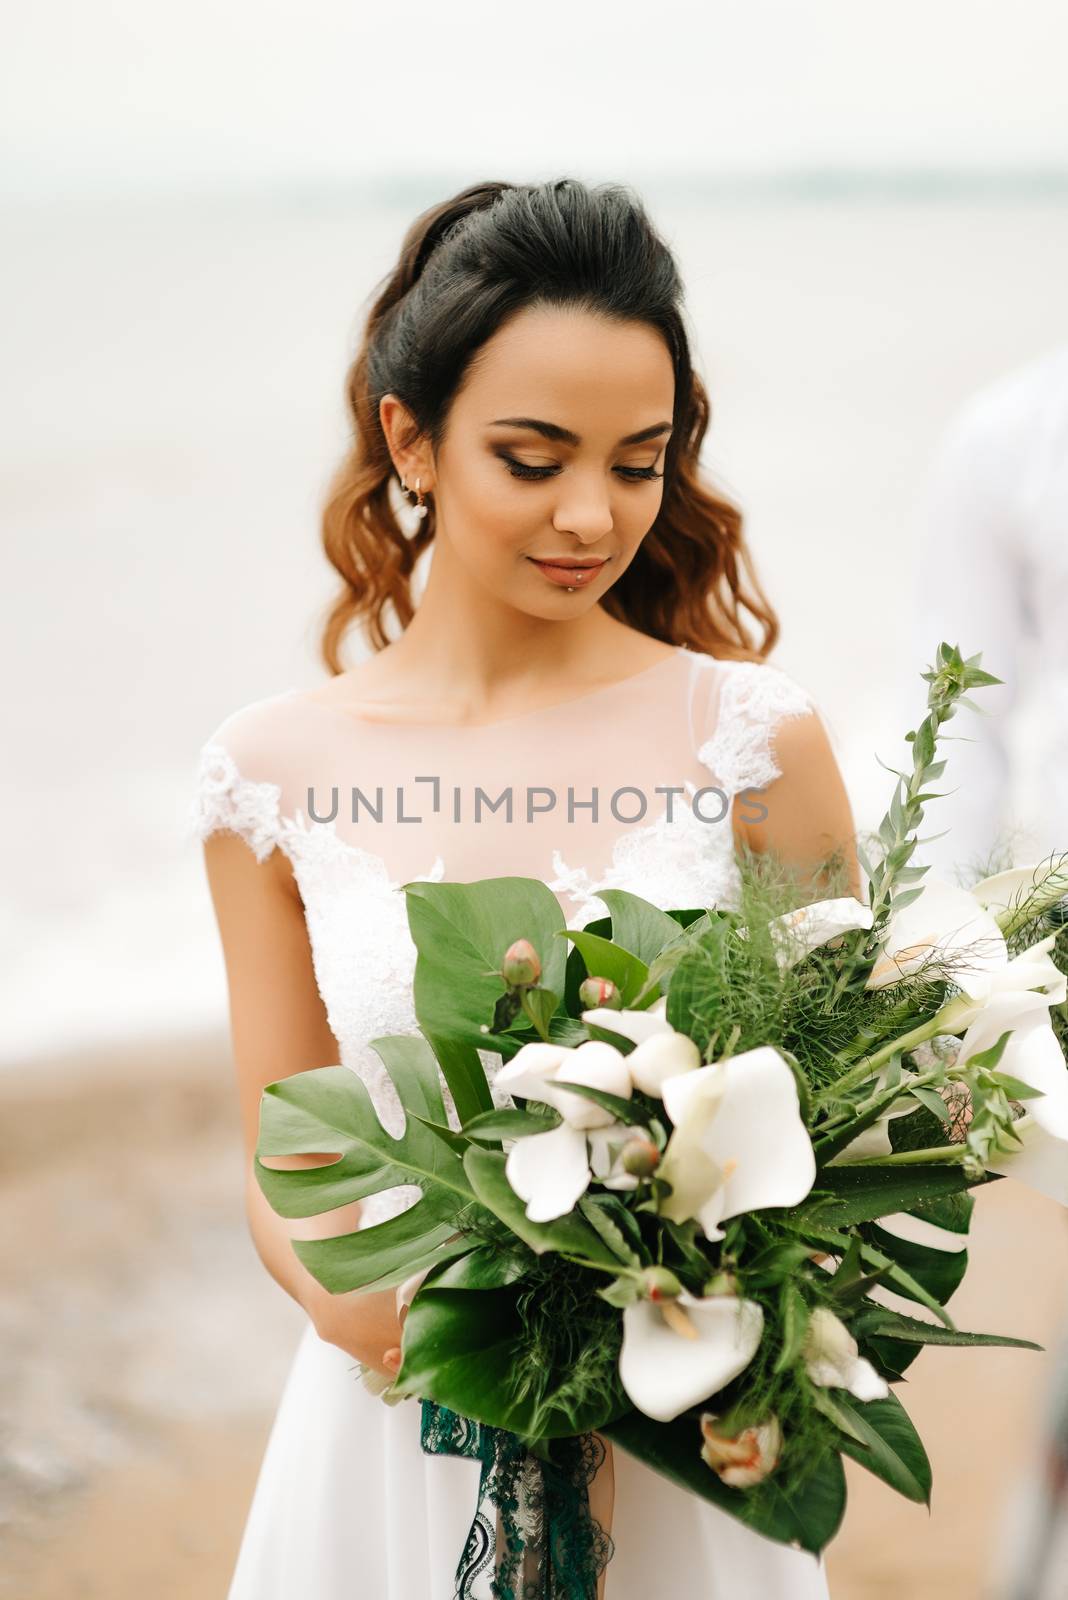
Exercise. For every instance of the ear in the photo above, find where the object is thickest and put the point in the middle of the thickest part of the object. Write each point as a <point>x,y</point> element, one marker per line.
<point>410,454</point>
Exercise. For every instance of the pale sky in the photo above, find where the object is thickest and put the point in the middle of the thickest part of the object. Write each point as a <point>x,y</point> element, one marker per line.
<point>123,94</point>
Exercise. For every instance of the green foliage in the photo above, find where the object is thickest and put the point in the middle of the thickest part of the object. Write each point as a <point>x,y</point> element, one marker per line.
<point>880,1435</point>
<point>808,1512</point>
<point>878,1320</point>
<point>461,932</point>
<point>471,1351</point>
<point>536,1354</point>
<point>604,959</point>
<point>569,1235</point>
<point>518,1323</point>
<point>329,1109</point>
<point>490,1127</point>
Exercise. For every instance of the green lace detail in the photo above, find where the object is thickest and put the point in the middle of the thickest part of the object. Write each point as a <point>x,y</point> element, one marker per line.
<point>533,1536</point>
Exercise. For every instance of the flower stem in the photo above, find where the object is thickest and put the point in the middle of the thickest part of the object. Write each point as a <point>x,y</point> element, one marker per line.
<point>911,1158</point>
<point>936,1075</point>
<point>944,1021</point>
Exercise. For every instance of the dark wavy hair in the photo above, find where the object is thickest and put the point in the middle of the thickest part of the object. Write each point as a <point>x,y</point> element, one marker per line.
<point>465,267</point>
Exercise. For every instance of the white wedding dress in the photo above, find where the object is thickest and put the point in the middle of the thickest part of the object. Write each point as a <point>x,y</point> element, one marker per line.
<point>347,1505</point>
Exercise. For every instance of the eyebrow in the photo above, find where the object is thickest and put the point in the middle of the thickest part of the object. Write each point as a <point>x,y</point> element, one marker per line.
<point>552,430</point>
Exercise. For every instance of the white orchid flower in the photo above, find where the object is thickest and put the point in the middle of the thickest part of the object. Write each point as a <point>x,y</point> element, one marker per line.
<point>551,1171</point>
<point>679,1351</point>
<point>833,1360</point>
<point>944,929</point>
<point>739,1142</point>
<point>1033,1054</point>
<point>797,933</point>
<point>660,1050</point>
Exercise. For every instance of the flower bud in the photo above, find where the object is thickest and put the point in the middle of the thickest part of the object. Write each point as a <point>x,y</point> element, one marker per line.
<point>661,1283</point>
<point>521,966</point>
<point>832,1358</point>
<point>599,992</point>
<point>722,1283</point>
<point>640,1157</point>
<point>745,1458</point>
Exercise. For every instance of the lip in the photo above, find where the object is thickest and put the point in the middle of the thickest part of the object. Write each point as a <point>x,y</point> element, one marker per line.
<point>569,561</point>
<point>569,573</point>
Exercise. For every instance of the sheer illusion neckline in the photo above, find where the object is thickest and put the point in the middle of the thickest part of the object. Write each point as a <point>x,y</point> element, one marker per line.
<point>601,692</point>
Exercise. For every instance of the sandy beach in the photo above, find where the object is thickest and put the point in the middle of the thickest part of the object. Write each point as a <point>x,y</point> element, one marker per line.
<point>146,1347</point>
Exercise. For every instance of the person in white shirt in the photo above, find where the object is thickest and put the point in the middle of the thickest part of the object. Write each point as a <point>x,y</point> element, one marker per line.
<point>992,576</point>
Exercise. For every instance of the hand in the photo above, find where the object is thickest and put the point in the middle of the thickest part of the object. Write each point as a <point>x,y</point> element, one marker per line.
<point>368,1323</point>
<point>405,1294</point>
<point>364,1323</point>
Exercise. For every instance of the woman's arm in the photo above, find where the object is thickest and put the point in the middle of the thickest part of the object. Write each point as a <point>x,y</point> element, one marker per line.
<point>279,1026</point>
<point>809,818</point>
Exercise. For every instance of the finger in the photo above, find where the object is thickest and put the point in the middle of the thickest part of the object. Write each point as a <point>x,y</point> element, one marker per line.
<point>392,1359</point>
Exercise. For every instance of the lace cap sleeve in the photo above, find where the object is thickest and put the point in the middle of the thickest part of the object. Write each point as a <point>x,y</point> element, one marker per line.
<point>755,697</point>
<point>232,791</point>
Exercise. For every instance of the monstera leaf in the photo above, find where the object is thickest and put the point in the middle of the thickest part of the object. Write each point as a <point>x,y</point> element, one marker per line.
<point>330,1109</point>
<point>461,932</point>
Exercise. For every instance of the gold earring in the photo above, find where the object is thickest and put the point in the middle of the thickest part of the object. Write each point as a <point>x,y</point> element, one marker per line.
<point>419,510</point>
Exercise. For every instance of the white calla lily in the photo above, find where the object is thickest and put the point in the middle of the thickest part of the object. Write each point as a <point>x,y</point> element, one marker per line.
<point>551,1171</point>
<point>663,1056</point>
<point>739,1142</point>
<point>1042,884</point>
<point>1031,970</point>
<point>797,933</point>
<point>833,1360</point>
<point>637,1026</point>
<point>1033,1054</point>
<point>664,1368</point>
<point>599,1066</point>
<point>660,1050</point>
<point>534,1070</point>
<point>944,929</point>
<point>531,1069</point>
<point>1018,1002</point>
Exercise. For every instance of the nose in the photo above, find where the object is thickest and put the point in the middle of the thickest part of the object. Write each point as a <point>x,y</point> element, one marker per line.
<point>585,510</point>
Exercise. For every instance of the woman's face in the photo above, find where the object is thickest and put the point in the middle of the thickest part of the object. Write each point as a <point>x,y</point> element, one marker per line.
<point>544,457</point>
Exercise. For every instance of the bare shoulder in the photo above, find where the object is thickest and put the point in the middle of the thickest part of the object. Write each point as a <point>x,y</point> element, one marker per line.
<point>803,814</point>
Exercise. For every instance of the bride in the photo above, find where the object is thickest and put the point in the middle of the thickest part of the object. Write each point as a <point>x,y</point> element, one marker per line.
<point>526,413</point>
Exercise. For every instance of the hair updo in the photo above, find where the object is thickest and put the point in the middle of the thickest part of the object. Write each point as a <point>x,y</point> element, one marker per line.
<point>465,267</point>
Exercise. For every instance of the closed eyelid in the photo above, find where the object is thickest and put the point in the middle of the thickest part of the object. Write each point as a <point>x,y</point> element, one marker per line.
<point>560,435</point>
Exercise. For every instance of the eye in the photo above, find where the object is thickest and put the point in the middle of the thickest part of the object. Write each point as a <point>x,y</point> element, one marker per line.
<point>520,469</point>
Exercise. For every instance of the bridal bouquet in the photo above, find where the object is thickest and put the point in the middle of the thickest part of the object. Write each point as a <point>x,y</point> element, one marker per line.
<point>728,1202</point>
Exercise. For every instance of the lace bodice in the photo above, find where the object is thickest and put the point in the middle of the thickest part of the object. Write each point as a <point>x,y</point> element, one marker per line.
<point>629,786</point>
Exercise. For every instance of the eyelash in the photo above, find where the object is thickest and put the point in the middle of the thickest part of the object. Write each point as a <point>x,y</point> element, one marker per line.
<point>519,469</point>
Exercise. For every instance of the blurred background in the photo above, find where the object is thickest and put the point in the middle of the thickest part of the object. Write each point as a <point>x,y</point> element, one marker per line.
<point>870,210</point>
